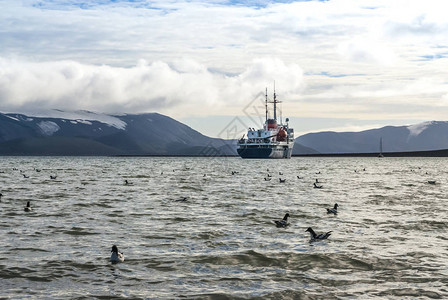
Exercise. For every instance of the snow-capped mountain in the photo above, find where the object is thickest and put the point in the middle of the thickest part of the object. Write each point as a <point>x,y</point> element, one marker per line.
<point>432,135</point>
<point>58,132</point>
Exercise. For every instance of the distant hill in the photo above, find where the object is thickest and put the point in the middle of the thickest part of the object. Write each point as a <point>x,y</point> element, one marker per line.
<point>58,132</point>
<point>299,149</point>
<point>86,133</point>
<point>425,136</point>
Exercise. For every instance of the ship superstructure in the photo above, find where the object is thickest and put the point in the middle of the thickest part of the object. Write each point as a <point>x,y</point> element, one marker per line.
<point>274,140</point>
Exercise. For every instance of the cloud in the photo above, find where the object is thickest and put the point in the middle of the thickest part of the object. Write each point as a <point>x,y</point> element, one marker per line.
<point>156,86</point>
<point>206,57</point>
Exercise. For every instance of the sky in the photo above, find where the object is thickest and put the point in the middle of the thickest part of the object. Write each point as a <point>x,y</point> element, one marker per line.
<point>340,65</point>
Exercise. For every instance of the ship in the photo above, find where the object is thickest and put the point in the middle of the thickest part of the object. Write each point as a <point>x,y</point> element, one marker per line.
<point>274,140</point>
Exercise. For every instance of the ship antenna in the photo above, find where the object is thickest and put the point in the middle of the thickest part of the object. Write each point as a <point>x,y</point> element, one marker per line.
<point>275,104</point>
<point>266,105</point>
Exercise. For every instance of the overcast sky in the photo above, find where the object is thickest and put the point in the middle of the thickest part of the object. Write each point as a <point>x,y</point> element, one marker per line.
<point>337,64</point>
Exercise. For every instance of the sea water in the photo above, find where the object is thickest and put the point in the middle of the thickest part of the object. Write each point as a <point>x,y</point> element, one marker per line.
<point>389,239</point>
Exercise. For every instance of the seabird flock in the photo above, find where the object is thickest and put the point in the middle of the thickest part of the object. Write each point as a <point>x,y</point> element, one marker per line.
<point>117,256</point>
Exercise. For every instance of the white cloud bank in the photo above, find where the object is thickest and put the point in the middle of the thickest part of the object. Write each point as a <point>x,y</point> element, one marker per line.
<point>365,59</point>
<point>155,86</point>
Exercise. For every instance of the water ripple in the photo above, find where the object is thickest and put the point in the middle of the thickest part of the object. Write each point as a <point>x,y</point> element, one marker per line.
<point>388,241</point>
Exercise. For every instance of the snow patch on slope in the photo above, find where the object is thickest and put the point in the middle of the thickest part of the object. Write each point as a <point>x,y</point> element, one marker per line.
<point>48,127</point>
<point>81,116</point>
<point>84,122</point>
<point>15,119</point>
<point>416,129</point>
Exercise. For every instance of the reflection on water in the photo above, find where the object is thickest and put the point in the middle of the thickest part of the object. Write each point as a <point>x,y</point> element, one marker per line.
<point>388,241</point>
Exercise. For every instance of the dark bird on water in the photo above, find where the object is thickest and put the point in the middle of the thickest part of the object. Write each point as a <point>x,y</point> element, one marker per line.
<point>282,180</point>
<point>116,256</point>
<point>333,210</point>
<point>27,207</point>
<point>282,223</point>
<point>315,236</point>
<point>317,186</point>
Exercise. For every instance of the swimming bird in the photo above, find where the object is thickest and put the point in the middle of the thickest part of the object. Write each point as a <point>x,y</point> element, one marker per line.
<point>53,177</point>
<point>116,256</point>
<point>269,175</point>
<point>1,195</point>
<point>27,207</point>
<point>267,179</point>
<point>315,236</point>
<point>282,223</point>
<point>280,173</point>
<point>317,186</point>
<point>183,199</point>
<point>282,180</point>
<point>298,177</point>
<point>333,210</point>
<point>126,182</point>
<point>25,176</point>
<point>431,181</point>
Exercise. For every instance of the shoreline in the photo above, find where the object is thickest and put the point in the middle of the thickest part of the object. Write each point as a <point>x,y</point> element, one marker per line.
<point>428,153</point>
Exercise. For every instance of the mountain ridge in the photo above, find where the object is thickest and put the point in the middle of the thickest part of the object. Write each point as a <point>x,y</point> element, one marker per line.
<point>58,132</point>
<point>127,134</point>
<point>425,136</point>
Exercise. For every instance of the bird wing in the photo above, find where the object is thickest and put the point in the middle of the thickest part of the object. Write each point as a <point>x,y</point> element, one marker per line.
<point>281,223</point>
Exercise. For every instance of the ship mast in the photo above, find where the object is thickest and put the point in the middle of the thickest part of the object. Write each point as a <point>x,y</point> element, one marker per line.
<point>266,105</point>
<point>275,104</point>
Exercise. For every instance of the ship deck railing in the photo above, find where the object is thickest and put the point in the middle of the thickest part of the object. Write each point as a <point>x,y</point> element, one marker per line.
<point>246,142</point>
